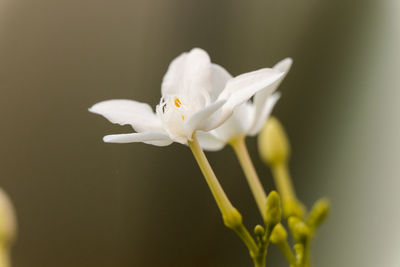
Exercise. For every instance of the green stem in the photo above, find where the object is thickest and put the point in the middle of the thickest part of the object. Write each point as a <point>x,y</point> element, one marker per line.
<point>239,146</point>
<point>283,182</point>
<point>4,256</point>
<point>220,197</point>
<point>247,239</point>
<point>287,252</point>
<point>306,255</point>
<point>260,261</point>
<point>231,216</point>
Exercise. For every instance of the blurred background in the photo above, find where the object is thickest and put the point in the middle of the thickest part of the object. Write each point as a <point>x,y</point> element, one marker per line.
<point>81,202</point>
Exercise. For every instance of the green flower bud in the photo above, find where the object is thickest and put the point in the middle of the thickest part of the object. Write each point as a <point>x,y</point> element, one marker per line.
<point>318,213</point>
<point>273,209</point>
<point>279,234</point>
<point>259,230</point>
<point>293,207</point>
<point>232,219</point>
<point>273,144</point>
<point>299,229</point>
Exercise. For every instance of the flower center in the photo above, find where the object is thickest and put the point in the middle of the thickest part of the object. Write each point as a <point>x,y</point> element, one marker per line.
<point>175,110</point>
<point>177,102</point>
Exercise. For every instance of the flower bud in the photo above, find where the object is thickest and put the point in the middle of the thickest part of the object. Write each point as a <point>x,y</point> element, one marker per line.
<point>293,207</point>
<point>278,235</point>
<point>273,144</point>
<point>299,229</point>
<point>318,213</point>
<point>273,209</point>
<point>232,219</point>
<point>8,227</point>
<point>259,230</point>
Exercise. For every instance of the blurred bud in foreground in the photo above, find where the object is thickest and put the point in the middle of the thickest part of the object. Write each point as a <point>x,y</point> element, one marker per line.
<point>318,213</point>
<point>273,144</point>
<point>293,207</point>
<point>299,229</point>
<point>8,228</point>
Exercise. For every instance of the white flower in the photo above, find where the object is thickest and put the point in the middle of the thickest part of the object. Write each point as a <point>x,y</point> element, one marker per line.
<point>249,117</point>
<point>196,95</point>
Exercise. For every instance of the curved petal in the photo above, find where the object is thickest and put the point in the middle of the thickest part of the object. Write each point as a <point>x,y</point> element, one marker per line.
<point>187,73</point>
<point>242,88</point>
<point>209,141</point>
<point>122,111</point>
<point>260,120</point>
<point>153,138</point>
<point>219,78</point>
<point>201,119</point>
<point>260,99</point>
<point>238,124</point>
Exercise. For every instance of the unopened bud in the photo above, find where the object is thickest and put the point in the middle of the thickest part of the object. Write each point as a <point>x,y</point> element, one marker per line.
<point>278,235</point>
<point>259,230</point>
<point>273,144</point>
<point>299,229</point>
<point>318,213</point>
<point>273,209</point>
<point>293,207</point>
<point>232,219</point>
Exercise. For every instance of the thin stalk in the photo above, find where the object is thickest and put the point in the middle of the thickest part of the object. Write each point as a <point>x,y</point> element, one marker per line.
<point>283,182</point>
<point>239,146</point>
<point>247,239</point>
<point>231,216</point>
<point>4,256</point>
<point>220,197</point>
<point>287,252</point>
<point>307,257</point>
<point>260,261</point>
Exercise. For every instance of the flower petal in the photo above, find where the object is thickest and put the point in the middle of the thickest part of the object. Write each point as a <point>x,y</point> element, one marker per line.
<point>187,73</point>
<point>201,119</point>
<point>238,124</point>
<point>260,120</point>
<point>153,138</point>
<point>260,99</point>
<point>122,111</point>
<point>219,78</point>
<point>209,141</point>
<point>241,89</point>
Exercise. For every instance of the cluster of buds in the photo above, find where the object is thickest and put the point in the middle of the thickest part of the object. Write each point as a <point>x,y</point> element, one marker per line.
<point>274,149</point>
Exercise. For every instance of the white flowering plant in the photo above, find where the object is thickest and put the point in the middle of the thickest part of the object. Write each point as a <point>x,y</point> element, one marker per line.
<point>204,107</point>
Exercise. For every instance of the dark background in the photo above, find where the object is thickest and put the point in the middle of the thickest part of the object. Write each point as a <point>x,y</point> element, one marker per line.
<point>81,202</point>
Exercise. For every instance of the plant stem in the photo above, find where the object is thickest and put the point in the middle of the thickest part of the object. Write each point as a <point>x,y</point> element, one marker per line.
<point>4,256</point>
<point>260,261</point>
<point>307,258</point>
<point>287,252</point>
<point>239,146</point>
<point>283,182</point>
<point>247,239</point>
<point>231,216</point>
<point>220,197</point>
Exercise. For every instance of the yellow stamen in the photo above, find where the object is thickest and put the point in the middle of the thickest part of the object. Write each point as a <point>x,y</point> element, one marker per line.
<point>177,102</point>
<point>183,117</point>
